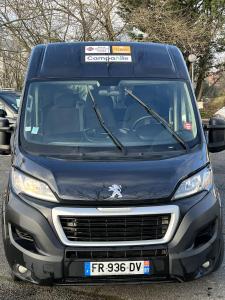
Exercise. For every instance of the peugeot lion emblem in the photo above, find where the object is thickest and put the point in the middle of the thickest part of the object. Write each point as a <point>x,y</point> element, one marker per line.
<point>116,191</point>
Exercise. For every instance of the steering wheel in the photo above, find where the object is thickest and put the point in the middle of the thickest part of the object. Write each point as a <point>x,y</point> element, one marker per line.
<point>93,135</point>
<point>138,122</point>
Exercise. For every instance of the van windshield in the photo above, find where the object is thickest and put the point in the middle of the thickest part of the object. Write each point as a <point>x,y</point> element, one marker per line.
<point>109,115</point>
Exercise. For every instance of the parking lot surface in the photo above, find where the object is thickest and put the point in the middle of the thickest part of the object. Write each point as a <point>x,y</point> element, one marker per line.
<point>210,287</point>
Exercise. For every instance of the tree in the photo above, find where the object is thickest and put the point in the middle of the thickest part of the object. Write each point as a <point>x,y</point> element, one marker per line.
<point>194,26</point>
<point>26,23</point>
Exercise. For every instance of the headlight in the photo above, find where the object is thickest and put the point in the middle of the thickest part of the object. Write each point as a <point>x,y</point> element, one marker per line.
<point>202,181</point>
<point>22,183</point>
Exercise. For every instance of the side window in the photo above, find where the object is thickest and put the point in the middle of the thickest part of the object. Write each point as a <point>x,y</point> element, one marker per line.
<point>187,113</point>
<point>32,114</point>
<point>28,113</point>
<point>2,104</point>
<point>6,108</point>
<point>8,111</point>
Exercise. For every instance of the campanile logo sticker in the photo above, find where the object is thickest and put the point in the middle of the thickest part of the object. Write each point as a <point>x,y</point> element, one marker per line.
<point>107,58</point>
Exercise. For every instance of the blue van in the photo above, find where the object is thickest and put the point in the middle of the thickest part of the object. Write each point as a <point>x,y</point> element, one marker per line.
<point>111,179</point>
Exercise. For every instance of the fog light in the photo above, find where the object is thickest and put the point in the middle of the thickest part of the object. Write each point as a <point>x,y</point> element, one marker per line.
<point>22,269</point>
<point>206,264</point>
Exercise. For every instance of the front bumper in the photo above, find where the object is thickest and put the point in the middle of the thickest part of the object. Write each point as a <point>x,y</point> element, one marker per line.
<point>197,239</point>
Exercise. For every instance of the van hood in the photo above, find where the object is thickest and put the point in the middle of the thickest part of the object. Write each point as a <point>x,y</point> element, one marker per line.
<point>97,180</point>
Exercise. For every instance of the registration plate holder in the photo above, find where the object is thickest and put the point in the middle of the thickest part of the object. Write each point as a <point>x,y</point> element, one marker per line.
<point>117,268</point>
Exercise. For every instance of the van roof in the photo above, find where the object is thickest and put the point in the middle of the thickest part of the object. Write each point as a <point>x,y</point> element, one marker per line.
<point>68,60</point>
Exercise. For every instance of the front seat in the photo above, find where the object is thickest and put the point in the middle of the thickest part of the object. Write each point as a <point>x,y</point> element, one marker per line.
<point>64,116</point>
<point>105,106</point>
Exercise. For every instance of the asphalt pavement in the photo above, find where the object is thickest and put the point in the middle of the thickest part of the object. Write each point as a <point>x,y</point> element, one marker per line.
<point>209,287</point>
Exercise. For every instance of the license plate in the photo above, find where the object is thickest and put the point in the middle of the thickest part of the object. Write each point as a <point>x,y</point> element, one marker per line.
<point>108,268</point>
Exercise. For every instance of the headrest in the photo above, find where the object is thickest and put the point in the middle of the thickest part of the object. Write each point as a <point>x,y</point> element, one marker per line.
<point>148,94</point>
<point>66,100</point>
<point>103,101</point>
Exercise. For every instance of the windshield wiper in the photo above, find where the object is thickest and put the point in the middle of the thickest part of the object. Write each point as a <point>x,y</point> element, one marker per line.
<point>118,144</point>
<point>160,119</point>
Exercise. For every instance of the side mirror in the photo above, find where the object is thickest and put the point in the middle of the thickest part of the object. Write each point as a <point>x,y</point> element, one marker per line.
<point>216,137</point>
<point>3,113</point>
<point>5,135</point>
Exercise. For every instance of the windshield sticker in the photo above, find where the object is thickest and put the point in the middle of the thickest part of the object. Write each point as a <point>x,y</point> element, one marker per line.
<point>97,49</point>
<point>28,128</point>
<point>108,58</point>
<point>121,49</point>
<point>187,126</point>
<point>34,130</point>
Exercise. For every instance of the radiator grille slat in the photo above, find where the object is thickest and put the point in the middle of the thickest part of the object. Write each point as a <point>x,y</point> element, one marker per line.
<point>107,254</point>
<point>121,228</point>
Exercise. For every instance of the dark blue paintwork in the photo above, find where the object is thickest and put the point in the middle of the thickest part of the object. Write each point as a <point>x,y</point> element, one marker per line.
<point>89,180</point>
<point>66,60</point>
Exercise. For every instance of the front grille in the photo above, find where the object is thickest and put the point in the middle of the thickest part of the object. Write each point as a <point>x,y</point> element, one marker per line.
<point>108,254</point>
<point>115,228</point>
